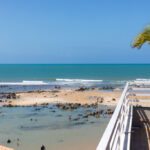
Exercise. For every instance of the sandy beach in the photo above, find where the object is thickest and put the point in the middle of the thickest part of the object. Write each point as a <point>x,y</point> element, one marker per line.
<point>63,96</point>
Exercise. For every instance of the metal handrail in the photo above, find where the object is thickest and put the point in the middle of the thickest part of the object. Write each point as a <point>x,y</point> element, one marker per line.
<point>112,137</point>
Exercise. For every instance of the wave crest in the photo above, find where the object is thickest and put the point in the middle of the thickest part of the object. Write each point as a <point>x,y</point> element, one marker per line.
<point>78,80</point>
<point>24,82</point>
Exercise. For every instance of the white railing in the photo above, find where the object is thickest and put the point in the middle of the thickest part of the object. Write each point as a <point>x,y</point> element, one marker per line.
<point>117,133</point>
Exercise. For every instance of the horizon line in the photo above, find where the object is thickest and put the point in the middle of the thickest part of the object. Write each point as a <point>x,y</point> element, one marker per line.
<point>74,63</point>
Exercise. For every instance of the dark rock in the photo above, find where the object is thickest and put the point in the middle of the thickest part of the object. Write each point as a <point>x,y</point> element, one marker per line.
<point>34,105</point>
<point>92,113</point>
<point>101,111</point>
<point>57,87</point>
<point>76,105</point>
<point>9,105</point>
<point>75,119</point>
<point>21,127</point>
<point>13,95</point>
<point>8,97</point>
<point>107,88</point>
<point>52,111</point>
<point>43,147</point>
<point>86,106</point>
<point>37,109</point>
<point>82,89</point>
<point>85,116</point>
<point>109,112</point>
<point>8,141</point>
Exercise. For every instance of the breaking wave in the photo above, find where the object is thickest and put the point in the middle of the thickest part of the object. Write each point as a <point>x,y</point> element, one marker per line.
<point>78,80</point>
<point>24,83</point>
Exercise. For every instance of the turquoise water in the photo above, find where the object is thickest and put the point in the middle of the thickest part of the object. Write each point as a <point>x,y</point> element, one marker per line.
<point>47,72</point>
<point>15,78</point>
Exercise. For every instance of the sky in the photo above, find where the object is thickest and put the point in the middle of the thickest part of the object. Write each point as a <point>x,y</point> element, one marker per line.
<point>72,31</point>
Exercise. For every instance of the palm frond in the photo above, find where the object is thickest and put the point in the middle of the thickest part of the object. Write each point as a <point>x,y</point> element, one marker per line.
<point>140,39</point>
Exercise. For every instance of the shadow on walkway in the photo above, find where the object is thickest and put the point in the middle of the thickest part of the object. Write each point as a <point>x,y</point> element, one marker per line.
<point>140,128</point>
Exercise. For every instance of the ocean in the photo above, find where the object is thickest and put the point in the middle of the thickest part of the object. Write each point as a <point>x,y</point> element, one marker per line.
<point>46,76</point>
<point>52,72</point>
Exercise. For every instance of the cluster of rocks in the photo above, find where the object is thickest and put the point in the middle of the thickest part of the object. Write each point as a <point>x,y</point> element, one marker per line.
<point>72,106</point>
<point>81,89</point>
<point>109,112</point>
<point>95,114</point>
<point>8,96</point>
<point>107,88</point>
<point>68,106</point>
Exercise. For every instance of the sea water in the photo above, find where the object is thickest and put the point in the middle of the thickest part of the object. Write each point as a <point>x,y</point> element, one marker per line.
<point>46,76</point>
<point>29,129</point>
<point>54,72</point>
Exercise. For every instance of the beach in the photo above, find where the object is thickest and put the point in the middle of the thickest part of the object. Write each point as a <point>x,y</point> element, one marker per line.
<point>59,109</point>
<point>80,96</point>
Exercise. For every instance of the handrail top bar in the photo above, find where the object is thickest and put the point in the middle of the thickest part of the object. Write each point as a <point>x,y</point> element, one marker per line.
<point>110,127</point>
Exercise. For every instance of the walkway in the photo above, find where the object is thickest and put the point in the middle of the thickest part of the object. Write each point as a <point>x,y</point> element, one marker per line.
<point>129,127</point>
<point>140,137</point>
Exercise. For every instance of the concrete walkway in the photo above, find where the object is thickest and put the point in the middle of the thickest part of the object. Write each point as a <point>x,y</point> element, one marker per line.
<point>140,137</point>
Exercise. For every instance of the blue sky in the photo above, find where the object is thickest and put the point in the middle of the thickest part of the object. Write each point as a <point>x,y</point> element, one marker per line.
<point>72,31</point>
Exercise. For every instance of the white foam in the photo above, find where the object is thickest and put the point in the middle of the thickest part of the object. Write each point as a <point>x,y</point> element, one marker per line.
<point>34,82</point>
<point>144,81</point>
<point>24,83</point>
<point>78,80</point>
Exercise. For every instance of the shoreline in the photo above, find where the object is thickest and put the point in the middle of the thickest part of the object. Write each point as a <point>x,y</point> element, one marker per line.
<point>63,96</point>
